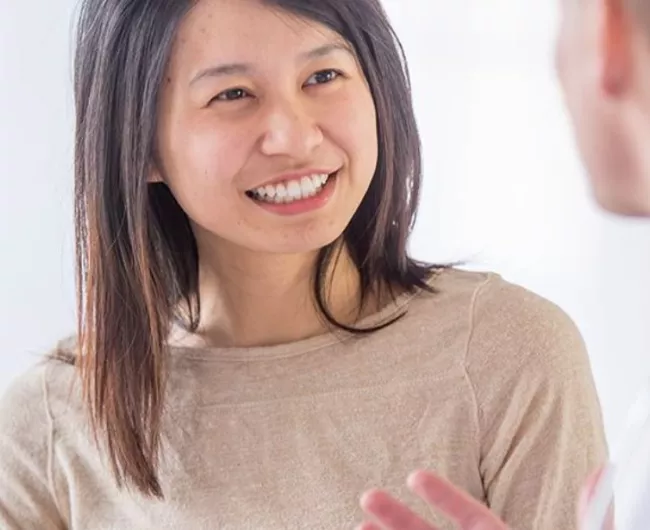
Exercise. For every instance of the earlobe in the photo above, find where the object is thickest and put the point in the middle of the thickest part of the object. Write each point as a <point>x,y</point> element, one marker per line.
<point>616,57</point>
<point>154,176</point>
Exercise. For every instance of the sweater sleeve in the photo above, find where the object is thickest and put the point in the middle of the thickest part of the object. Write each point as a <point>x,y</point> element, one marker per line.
<point>539,415</point>
<point>27,499</point>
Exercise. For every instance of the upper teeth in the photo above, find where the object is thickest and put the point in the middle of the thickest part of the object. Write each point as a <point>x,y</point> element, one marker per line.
<point>291,190</point>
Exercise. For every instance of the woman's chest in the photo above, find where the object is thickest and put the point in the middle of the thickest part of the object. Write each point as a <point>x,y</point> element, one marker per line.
<point>301,463</point>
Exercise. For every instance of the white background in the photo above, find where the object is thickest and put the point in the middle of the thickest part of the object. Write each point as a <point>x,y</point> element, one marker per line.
<point>503,186</point>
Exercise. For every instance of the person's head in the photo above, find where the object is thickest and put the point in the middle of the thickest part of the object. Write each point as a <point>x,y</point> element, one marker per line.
<point>603,59</point>
<point>199,124</point>
<point>258,103</point>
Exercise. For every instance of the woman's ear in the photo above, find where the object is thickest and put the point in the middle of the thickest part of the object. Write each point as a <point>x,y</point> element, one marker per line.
<point>154,176</point>
<point>616,39</point>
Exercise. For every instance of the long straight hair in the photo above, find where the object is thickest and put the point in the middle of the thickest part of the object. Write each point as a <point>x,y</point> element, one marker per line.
<point>137,258</point>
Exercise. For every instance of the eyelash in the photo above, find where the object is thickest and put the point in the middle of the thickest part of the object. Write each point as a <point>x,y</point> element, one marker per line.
<point>240,93</point>
<point>336,73</point>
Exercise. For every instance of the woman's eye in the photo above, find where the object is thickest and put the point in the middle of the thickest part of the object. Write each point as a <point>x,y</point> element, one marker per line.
<point>231,95</point>
<point>323,77</point>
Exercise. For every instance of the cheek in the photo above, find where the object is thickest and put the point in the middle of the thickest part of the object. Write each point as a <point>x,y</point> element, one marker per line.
<point>573,46</point>
<point>584,102</point>
<point>212,153</point>
<point>570,75</point>
<point>352,125</point>
<point>202,163</point>
<point>562,48</point>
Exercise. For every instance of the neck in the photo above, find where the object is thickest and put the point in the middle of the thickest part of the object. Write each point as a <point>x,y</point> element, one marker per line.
<point>251,299</point>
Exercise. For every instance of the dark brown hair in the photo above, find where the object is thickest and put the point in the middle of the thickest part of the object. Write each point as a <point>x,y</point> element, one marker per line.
<point>137,259</point>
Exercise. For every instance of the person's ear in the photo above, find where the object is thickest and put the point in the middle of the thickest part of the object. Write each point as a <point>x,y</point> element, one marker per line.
<point>616,38</point>
<point>154,176</point>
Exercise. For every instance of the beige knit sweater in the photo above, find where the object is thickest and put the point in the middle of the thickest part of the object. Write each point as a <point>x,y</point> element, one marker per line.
<point>484,382</point>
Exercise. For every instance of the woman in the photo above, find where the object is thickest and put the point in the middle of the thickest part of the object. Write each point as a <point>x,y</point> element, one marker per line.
<point>255,345</point>
<point>603,62</point>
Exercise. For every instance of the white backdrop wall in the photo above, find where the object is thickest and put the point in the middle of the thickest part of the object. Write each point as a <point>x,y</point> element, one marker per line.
<point>503,189</point>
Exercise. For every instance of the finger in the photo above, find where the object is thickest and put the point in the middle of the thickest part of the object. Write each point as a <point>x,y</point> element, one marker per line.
<point>588,491</point>
<point>456,504</point>
<point>368,525</point>
<point>391,513</point>
<point>587,496</point>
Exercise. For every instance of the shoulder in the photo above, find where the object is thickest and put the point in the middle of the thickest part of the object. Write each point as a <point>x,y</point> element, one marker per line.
<point>22,405</point>
<point>512,324</point>
<point>25,428</point>
<point>488,295</point>
<point>29,489</point>
<point>500,323</point>
<point>452,295</point>
<point>28,405</point>
<point>523,349</point>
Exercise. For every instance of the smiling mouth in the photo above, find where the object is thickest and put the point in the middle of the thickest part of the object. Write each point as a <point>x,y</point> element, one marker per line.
<point>291,190</point>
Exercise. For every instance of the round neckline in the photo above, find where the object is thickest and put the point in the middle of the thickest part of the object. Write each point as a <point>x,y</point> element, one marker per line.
<point>292,349</point>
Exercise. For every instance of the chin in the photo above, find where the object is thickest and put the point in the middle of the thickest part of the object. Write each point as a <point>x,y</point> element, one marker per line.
<point>300,243</point>
<point>620,200</point>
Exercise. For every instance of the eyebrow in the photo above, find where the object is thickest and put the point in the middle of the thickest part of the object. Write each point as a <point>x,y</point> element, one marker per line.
<point>244,68</point>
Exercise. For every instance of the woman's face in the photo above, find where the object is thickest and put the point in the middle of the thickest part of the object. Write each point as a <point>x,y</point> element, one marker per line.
<point>268,134</point>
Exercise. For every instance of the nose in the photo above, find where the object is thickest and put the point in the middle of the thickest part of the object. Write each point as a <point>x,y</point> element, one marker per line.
<point>289,129</point>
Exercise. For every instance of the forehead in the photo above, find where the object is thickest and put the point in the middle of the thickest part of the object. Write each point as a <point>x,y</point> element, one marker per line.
<point>247,30</point>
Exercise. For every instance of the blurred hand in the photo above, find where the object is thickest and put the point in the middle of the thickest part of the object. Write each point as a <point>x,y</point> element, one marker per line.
<point>587,494</point>
<point>387,513</point>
